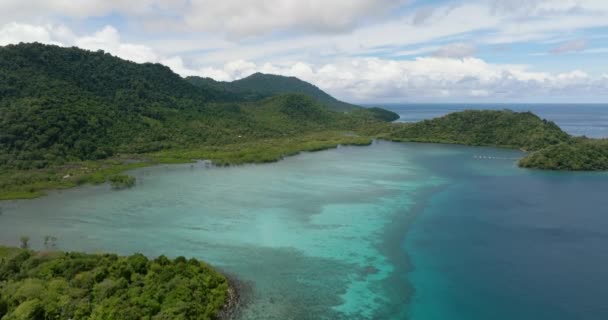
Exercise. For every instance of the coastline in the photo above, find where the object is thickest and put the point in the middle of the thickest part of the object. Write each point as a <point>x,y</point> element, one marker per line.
<point>39,182</point>
<point>238,293</point>
<point>181,157</point>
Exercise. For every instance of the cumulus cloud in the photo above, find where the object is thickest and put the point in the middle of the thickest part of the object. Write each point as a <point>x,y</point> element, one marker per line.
<point>235,17</point>
<point>570,46</point>
<point>15,33</point>
<point>430,78</point>
<point>108,39</point>
<point>454,74</point>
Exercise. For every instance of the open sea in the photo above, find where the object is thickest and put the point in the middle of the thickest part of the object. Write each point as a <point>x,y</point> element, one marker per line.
<point>387,231</point>
<point>589,120</point>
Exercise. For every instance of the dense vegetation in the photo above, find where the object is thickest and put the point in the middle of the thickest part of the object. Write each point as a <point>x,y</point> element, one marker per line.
<point>58,285</point>
<point>579,154</point>
<point>65,104</point>
<point>261,85</point>
<point>61,108</point>
<point>553,148</point>
<point>521,130</point>
<point>70,116</point>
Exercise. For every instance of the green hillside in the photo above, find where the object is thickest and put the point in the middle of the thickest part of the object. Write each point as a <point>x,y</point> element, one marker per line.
<point>65,104</point>
<point>70,116</point>
<point>263,85</point>
<point>551,148</point>
<point>580,154</point>
<point>61,108</point>
<point>520,130</point>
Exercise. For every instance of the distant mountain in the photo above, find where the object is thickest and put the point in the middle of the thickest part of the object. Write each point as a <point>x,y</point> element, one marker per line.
<point>264,85</point>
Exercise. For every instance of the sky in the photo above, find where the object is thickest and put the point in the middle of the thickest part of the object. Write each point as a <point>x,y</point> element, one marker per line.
<point>364,51</point>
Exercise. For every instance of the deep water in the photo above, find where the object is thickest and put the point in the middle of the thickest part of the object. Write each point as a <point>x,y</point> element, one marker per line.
<point>389,231</point>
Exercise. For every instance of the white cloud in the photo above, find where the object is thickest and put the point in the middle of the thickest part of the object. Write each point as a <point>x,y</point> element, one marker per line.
<point>15,33</point>
<point>354,79</point>
<point>456,50</point>
<point>570,46</point>
<point>235,17</point>
<point>37,10</point>
<point>430,78</point>
<point>108,39</point>
<point>177,65</point>
<point>252,17</point>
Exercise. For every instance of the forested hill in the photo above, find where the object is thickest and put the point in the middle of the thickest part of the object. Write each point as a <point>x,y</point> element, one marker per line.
<point>62,105</point>
<point>35,70</point>
<point>551,148</point>
<point>263,85</point>
<point>504,128</point>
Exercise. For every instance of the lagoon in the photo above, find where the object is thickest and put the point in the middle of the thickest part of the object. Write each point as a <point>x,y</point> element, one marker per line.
<point>389,231</point>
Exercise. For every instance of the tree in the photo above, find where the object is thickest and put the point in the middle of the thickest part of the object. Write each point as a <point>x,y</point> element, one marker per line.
<point>50,242</point>
<point>25,242</point>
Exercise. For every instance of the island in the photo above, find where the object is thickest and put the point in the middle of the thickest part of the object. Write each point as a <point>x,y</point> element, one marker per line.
<point>70,116</point>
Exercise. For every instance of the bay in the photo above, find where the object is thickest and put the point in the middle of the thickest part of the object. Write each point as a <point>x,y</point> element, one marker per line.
<point>389,231</point>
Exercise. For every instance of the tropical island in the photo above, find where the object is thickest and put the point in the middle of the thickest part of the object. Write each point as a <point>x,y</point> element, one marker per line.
<point>70,117</point>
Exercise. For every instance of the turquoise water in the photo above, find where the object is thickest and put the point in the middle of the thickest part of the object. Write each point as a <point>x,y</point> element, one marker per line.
<point>389,231</point>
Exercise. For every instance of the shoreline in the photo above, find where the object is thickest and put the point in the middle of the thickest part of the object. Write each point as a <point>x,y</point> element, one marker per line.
<point>219,158</point>
<point>152,160</point>
<point>40,181</point>
<point>239,292</point>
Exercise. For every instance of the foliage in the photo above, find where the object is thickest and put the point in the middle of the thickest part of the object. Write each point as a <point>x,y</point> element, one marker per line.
<point>64,105</point>
<point>522,130</point>
<point>57,285</point>
<point>70,116</point>
<point>383,114</point>
<point>122,181</point>
<point>259,85</point>
<point>24,242</point>
<point>577,155</point>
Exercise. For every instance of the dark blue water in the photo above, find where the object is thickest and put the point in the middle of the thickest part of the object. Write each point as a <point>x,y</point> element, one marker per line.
<point>499,242</point>
<point>589,120</point>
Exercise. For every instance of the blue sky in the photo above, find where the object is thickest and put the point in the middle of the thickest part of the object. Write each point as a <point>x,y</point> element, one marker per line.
<point>359,50</point>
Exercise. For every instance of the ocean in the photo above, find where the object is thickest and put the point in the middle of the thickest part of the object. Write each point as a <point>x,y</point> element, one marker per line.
<point>589,120</point>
